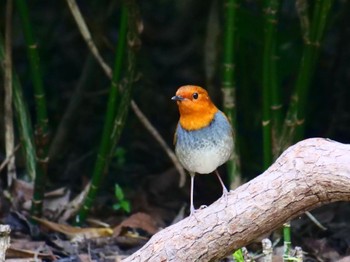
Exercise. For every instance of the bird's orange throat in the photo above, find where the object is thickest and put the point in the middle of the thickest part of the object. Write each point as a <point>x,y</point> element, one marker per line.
<point>196,118</point>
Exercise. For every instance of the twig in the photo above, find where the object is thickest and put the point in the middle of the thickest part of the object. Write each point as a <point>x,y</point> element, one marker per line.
<point>8,158</point>
<point>108,71</point>
<point>160,140</point>
<point>317,223</point>
<point>8,114</point>
<point>70,113</point>
<point>79,19</point>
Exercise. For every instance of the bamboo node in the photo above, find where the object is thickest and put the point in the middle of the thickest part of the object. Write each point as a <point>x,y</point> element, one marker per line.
<point>300,121</point>
<point>228,97</point>
<point>266,122</point>
<point>276,107</point>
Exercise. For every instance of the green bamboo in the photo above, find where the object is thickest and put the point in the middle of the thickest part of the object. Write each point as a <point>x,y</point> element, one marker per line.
<point>294,124</point>
<point>286,241</point>
<point>270,79</point>
<point>41,130</point>
<point>228,85</point>
<point>23,122</point>
<point>33,55</point>
<point>124,104</point>
<point>271,104</point>
<point>106,142</point>
<point>308,63</point>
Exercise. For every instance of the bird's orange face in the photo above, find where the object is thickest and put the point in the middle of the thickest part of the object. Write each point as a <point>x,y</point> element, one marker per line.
<point>195,107</point>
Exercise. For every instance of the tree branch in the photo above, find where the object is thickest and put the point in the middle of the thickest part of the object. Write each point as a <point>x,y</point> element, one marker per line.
<point>307,175</point>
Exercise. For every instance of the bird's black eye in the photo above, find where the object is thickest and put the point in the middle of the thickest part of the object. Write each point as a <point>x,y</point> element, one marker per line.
<point>195,95</point>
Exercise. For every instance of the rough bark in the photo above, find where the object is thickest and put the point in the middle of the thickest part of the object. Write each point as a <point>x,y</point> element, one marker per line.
<point>307,175</point>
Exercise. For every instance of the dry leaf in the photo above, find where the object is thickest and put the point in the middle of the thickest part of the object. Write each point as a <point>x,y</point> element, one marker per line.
<point>138,221</point>
<point>23,253</point>
<point>75,233</point>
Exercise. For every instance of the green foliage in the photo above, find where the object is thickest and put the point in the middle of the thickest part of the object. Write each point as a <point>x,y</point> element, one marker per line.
<point>122,203</point>
<point>238,255</point>
<point>119,156</point>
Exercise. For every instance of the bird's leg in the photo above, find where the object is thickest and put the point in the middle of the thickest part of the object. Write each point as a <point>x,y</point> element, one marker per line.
<point>192,187</point>
<point>224,189</point>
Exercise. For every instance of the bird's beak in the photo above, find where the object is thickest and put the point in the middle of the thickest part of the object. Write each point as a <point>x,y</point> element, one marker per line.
<point>177,98</point>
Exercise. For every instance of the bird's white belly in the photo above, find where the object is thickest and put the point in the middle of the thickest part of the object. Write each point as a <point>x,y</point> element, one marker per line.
<point>205,161</point>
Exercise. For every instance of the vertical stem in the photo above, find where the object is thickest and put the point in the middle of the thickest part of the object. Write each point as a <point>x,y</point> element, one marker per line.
<point>228,85</point>
<point>8,116</point>
<point>293,129</point>
<point>23,122</point>
<point>273,101</point>
<point>41,130</point>
<point>106,142</point>
<point>133,46</point>
<point>308,62</point>
<point>287,241</point>
<point>32,48</point>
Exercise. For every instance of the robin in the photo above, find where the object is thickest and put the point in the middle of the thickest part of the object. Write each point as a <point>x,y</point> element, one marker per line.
<point>203,138</point>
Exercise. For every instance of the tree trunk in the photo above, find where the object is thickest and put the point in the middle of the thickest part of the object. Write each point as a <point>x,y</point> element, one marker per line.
<point>307,175</point>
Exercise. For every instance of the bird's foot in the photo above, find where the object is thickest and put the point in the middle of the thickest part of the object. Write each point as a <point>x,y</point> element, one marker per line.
<point>193,213</point>
<point>203,207</point>
<point>225,196</point>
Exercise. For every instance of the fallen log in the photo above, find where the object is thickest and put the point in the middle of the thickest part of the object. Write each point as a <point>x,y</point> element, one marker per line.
<point>309,174</point>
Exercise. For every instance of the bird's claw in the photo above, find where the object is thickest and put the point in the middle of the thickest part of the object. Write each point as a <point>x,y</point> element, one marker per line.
<point>225,196</point>
<point>192,214</point>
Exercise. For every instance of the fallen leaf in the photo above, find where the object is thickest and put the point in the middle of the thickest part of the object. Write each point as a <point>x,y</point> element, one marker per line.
<point>75,233</point>
<point>138,221</point>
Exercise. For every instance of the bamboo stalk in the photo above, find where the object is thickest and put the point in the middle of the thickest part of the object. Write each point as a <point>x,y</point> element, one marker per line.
<point>228,86</point>
<point>125,102</point>
<point>8,110</point>
<point>108,71</point>
<point>23,122</point>
<point>272,115</point>
<point>106,139</point>
<point>133,46</point>
<point>286,242</point>
<point>293,129</point>
<point>308,64</point>
<point>41,129</point>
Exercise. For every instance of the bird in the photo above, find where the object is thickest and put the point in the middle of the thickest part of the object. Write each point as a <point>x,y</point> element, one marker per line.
<point>204,137</point>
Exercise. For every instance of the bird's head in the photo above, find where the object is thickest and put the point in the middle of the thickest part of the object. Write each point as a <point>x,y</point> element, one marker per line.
<point>195,107</point>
